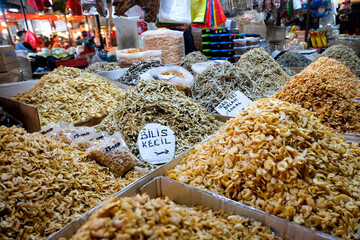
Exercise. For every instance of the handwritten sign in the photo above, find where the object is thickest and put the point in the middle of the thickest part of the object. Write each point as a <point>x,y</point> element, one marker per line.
<point>156,144</point>
<point>237,101</point>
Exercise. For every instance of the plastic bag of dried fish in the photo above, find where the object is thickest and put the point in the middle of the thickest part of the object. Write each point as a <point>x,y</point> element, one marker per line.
<point>71,95</point>
<point>263,70</point>
<point>156,101</point>
<point>279,158</point>
<point>217,83</point>
<point>70,134</point>
<point>45,184</point>
<point>345,55</point>
<point>127,57</point>
<point>161,218</point>
<point>132,75</point>
<point>102,67</point>
<point>113,153</point>
<point>293,59</point>
<point>200,67</point>
<point>189,60</point>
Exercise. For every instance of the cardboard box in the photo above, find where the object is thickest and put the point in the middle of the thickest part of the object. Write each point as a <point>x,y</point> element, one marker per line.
<point>11,76</point>
<point>8,59</point>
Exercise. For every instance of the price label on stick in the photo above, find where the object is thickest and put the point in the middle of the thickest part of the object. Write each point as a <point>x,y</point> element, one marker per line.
<point>156,144</point>
<point>237,101</point>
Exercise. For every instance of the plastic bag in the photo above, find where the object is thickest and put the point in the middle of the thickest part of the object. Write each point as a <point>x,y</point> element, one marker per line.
<point>24,63</point>
<point>127,59</point>
<point>181,77</point>
<point>75,7</point>
<point>175,11</point>
<point>32,39</point>
<point>71,134</point>
<point>207,21</point>
<point>112,152</point>
<point>86,141</point>
<point>171,44</point>
<point>198,68</point>
<point>198,11</point>
<point>219,16</point>
<point>37,5</point>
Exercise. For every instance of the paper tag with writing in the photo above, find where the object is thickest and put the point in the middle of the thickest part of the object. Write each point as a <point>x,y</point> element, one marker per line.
<point>237,101</point>
<point>156,144</point>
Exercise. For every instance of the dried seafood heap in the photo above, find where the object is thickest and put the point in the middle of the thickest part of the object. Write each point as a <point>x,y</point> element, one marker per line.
<point>71,95</point>
<point>132,75</point>
<point>140,217</point>
<point>328,91</point>
<point>45,184</point>
<point>101,67</point>
<point>216,83</point>
<point>293,59</point>
<point>190,59</point>
<point>288,71</point>
<point>263,70</point>
<point>156,101</point>
<point>345,55</point>
<point>279,158</point>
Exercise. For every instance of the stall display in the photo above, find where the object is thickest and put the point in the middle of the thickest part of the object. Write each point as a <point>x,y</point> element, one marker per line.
<point>345,55</point>
<point>161,218</point>
<point>157,101</point>
<point>101,67</point>
<point>263,70</point>
<point>47,184</point>
<point>217,83</point>
<point>71,95</point>
<point>276,157</point>
<point>171,43</point>
<point>293,59</point>
<point>127,57</point>
<point>132,76</point>
<point>190,59</point>
<point>327,96</point>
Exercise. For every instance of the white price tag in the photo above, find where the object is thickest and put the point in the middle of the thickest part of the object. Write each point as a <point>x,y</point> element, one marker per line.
<point>237,101</point>
<point>156,144</point>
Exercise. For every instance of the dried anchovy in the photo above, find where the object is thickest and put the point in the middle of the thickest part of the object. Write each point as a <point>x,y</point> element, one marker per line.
<point>161,218</point>
<point>101,67</point>
<point>288,70</point>
<point>71,95</point>
<point>345,55</point>
<point>157,101</point>
<point>263,70</point>
<point>279,158</point>
<point>132,75</point>
<point>45,184</point>
<point>293,59</point>
<point>326,95</point>
<point>216,83</point>
<point>190,59</point>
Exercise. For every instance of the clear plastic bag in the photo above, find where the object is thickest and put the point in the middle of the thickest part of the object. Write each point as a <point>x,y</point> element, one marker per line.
<point>175,74</point>
<point>71,134</point>
<point>50,130</point>
<point>175,11</point>
<point>127,59</point>
<point>198,68</point>
<point>113,153</point>
<point>86,141</point>
<point>171,44</point>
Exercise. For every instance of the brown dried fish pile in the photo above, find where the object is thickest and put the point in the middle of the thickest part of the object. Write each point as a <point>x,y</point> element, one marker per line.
<point>216,84</point>
<point>156,101</point>
<point>190,59</point>
<point>263,70</point>
<point>279,158</point>
<point>345,55</point>
<point>45,184</point>
<point>101,67</point>
<point>327,93</point>
<point>71,95</point>
<point>140,217</point>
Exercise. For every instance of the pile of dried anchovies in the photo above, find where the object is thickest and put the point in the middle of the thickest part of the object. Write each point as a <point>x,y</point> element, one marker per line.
<point>157,101</point>
<point>288,70</point>
<point>132,75</point>
<point>190,59</point>
<point>101,67</point>
<point>345,55</point>
<point>216,83</point>
<point>293,59</point>
<point>263,70</point>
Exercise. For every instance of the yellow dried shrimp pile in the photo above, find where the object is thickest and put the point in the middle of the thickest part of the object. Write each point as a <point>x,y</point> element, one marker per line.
<point>329,95</point>
<point>279,158</point>
<point>45,184</point>
<point>71,95</point>
<point>156,101</point>
<point>140,217</point>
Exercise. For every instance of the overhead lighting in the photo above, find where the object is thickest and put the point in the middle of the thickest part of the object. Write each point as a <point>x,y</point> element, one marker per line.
<point>86,27</point>
<point>3,24</point>
<point>13,10</point>
<point>69,25</point>
<point>114,28</point>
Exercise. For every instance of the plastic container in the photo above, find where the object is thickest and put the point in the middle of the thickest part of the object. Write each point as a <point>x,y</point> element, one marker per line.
<point>216,53</point>
<point>242,50</point>
<point>207,52</point>
<point>223,45</point>
<point>127,59</point>
<point>206,37</point>
<point>216,30</point>
<point>240,42</point>
<point>227,53</point>
<point>252,41</point>
<point>237,57</point>
<point>207,45</point>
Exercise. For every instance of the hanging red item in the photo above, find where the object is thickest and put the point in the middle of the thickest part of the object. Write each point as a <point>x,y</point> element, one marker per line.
<point>219,13</point>
<point>32,39</point>
<point>207,23</point>
<point>37,5</point>
<point>75,7</point>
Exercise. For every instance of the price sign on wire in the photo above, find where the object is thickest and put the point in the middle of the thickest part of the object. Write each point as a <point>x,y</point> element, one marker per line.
<point>156,144</point>
<point>237,101</point>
